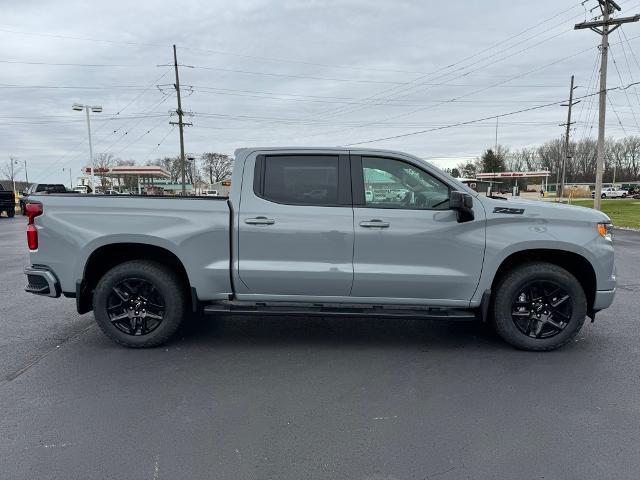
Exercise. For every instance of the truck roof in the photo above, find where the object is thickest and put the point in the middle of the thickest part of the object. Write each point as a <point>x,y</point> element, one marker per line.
<point>243,150</point>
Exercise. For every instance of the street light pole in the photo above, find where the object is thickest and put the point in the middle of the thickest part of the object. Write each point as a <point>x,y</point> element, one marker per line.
<point>93,167</point>
<point>13,176</point>
<point>96,109</point>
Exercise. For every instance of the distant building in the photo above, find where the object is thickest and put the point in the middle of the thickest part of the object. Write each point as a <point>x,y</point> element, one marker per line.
<point>170,188</point>
<point>223,187</point>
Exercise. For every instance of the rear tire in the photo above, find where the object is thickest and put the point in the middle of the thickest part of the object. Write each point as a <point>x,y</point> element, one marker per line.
<point>11,213</point>
<point>139,304</point>
<point>538,320</point>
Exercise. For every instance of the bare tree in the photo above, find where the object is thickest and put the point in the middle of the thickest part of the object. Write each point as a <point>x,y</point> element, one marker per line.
<point>171,165</point>
<point>102,162</point>
<point>468,169</point>
<point>10,169</point>
<point>217,166</point>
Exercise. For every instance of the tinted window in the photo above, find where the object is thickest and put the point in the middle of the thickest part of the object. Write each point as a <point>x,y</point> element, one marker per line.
<point>395,184</point>
<point>301,180</point>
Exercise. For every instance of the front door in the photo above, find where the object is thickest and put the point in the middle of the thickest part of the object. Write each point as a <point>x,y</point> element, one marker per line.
<point>408,244</point>
<point>296,226</point>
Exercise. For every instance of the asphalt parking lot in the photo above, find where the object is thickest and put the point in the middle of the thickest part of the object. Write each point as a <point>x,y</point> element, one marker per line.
<point>295,398</point>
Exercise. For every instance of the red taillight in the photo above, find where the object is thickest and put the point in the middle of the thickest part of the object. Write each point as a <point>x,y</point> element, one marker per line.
<point>32,237</point>
<point>32,210</point>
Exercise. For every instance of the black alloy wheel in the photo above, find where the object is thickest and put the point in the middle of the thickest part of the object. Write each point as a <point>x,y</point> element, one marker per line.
<point>541,309</point>
<point>538,306</point>
<point>135,306</point>
<point>140,303</point>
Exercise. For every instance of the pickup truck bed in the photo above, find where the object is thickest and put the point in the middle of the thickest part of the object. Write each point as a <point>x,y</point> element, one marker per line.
<point>299,235</point>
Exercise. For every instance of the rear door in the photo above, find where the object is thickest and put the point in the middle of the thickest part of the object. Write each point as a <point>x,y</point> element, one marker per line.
<point>408,244</point>
<point>295,232</point>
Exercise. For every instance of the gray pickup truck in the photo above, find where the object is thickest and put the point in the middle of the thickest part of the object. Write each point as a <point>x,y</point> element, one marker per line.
<point>325,232</point>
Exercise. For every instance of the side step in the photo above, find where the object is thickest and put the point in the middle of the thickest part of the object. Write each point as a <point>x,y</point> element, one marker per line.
<point>339,310</point>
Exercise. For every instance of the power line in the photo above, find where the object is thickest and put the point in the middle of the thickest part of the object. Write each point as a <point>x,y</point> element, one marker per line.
<point>603,28</point>
<point>219,52</point>
<point>140,137</point>
<point>455,99</point>
<point>626,94</point>
<point>626,61</point>
<point>417,82</point>
<point>333,100</point>
<point>590,86</point>
<point>492,117</point>
<point>100,65</point>
<point>285,75</point>
<point>617,116</point>
<point>57,163</point>
<point>171,128</point>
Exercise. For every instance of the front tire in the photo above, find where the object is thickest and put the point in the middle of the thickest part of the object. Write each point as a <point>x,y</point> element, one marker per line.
<point>139,304</point>
<point>539,306</point>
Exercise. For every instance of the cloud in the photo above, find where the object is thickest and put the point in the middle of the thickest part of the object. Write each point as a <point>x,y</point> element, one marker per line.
<point>303,73</point>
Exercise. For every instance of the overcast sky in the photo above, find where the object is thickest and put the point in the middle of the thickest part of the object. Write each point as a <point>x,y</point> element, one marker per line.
<point>298,73</point>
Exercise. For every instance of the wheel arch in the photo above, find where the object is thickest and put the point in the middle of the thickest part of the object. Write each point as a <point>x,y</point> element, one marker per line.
<point>105,257</point>
<point>573,262</point>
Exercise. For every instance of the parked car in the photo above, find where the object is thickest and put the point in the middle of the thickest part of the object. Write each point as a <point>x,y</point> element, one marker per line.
<point>112,192</point>
<point>7,202</point>
<point>82,189</point>
<point>40,189</point>
<point>210,193</point>
<point>535,270</point>
<point>611,192</point>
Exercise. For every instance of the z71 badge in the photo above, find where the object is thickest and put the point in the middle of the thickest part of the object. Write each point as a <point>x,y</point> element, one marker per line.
<point>510,211</point>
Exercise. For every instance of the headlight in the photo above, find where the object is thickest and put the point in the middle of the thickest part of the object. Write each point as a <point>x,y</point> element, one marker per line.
<point>605,230</point>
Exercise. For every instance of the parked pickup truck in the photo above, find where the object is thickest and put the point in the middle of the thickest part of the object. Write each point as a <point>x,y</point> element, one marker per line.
<point>612,192</point>
<point>40,188</point>
<point>298,235</point>
<point>7,202</point>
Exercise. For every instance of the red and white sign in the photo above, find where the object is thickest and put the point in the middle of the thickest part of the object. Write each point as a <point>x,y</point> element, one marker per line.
<point>142,171</point>
<point>542,173</point>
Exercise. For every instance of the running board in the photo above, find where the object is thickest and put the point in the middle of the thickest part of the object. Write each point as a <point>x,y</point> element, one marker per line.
<point>328,310</point>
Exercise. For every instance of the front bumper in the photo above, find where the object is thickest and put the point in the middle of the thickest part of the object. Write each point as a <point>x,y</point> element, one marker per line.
<point>42,281</point>
<point>604,298</point>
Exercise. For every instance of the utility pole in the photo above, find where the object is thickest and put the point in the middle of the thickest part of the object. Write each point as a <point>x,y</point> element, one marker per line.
<point>180,123</point>
<point>566,138</point>
<point>601,27</point>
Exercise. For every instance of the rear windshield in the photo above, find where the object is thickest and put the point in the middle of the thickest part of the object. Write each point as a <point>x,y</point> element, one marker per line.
<point>51,188</point>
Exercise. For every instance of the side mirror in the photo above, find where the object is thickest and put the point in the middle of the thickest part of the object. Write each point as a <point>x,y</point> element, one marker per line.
<point>462,203</point>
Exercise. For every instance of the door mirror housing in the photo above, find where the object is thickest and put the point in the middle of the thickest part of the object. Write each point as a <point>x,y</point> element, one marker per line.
<point>462,203</point>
